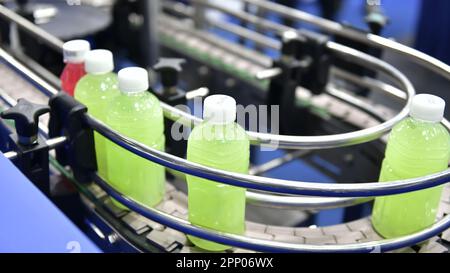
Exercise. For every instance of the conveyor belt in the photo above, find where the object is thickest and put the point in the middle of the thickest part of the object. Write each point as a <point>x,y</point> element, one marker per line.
<point>175,203</point>
<point>219,53</point>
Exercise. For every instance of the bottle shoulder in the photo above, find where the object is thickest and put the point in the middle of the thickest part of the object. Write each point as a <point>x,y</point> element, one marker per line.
<point>420,132</point>
<point>208,132</point>
<point>142,109</point>
<point>225,147</point>
<point>136,102</point>
<point>417,143</point>
<point>97,86</point>
<point>73,69</point>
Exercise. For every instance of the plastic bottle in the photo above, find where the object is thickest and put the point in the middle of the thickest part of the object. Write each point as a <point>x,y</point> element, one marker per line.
<point>74,52</point>
<point>417,146</point>
<point>95,90</point>
<point>137,114</point>
<point>220,143</point>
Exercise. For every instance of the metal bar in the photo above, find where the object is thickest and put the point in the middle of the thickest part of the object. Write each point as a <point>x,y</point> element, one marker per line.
<point>257,199</point>
<point>199,16</point>
<point>275,185</point>
<point>306,142</point>
<point>11,155</point>
<point>245,33</point>
<point>266,183</point>
<point>339,51</point>
<point>255,36</point>
<point>269,73</point>
<point>55,142</point>
<point>51,143</point>
<point>267,245</point>
<point>31,28</point>
<point>7,98</point>
<point>329,141</point>
<point>240,51</point>
<point>38,69</point>
<point>370,83</point>
<point>150,34</point>
<point>370,39</point>
<point>277,162</point>
<point>26,73</point>
<point>246,17</point>
<point>178,8</point>
<point>281,141</point>
<point>200,92</point>
<point>354,101</point>
<point>301,202</point>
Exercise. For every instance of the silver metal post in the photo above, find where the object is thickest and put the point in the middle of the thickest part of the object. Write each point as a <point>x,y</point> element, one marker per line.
<point>51,143</point>
<point>152,10</point>
<point>31,28</point>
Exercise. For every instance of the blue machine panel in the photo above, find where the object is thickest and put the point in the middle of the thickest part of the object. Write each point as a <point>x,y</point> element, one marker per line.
<point>29,222</point>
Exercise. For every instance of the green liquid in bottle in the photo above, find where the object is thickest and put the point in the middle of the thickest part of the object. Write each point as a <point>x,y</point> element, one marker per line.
<point>416,148</point>
<point>96,91</point>
<point>138,116</point>
<point>214,205</point>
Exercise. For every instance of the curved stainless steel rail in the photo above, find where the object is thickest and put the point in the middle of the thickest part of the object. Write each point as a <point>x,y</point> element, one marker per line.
<point>265,183</point>
<point>329,141</point>
<point>285,141</point>
<point>280,186</point>
<point>370,39</point>
<point>272,246</point>
<point>254,182</point>
<point>31,28</point>
<point>304,203</point>
<point>259,199</point>
<point>253,198</point>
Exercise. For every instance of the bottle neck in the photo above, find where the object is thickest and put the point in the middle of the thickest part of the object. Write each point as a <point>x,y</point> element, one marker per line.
<point>132,94</point>
<point>74,64</point>
<point>422,120</point>
<point>99,73</point>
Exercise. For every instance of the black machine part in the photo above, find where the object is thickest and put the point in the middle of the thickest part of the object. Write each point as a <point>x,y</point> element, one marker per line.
<point>67,118</point>
<point>26,118</point>
<point>169,70</point>
<point>304,62</point>
<point>32,150</point>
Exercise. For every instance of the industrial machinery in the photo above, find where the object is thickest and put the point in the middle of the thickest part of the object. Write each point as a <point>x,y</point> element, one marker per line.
<point>330,82</point>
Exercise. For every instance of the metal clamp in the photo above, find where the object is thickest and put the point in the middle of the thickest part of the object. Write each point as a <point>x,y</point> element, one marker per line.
<point>66,119</point>
<point>31,150</point>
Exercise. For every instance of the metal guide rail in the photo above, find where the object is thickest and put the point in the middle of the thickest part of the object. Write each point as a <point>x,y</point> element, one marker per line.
<point>269,241</point>
<point>13,88</point>
<point>202,48</point>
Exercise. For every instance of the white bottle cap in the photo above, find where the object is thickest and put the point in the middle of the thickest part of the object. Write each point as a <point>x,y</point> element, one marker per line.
<point>99,61</point>
<point>219,109</point>
<point>133,80</point>
<point>427,107</point>
<point>75,50</point>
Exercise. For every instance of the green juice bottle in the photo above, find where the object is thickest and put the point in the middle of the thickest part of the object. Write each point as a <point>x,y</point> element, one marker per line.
<point>418,146</point>
<point>220,143</point>
<point>137,114</point>
<point>95,90</point>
